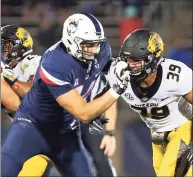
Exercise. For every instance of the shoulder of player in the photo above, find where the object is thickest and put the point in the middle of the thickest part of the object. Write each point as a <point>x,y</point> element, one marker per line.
<point>175,73</point>
<point>106,50</point>
<point>56,56</point>
<point>32,57</point>
<point>58,62</point>
<point>168,62</point>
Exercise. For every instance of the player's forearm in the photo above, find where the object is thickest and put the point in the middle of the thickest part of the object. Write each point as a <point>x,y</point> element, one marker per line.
<point>10,105</point>
<point>85,112</point>
<point>111,113</point>
<point>21,88</point>
<point>8,97</point>
<point>97,107</point>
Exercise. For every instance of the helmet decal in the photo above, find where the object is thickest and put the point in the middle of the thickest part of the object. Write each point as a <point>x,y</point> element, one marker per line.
<point>155,44</point>
<point>72,26</point>
<point>25,37</point>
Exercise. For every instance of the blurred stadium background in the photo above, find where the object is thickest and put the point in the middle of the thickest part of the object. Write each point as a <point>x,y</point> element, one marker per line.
<point>172,19</point>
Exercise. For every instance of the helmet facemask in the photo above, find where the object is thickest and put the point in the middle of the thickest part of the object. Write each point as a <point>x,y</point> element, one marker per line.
<point>13,51</point>
<point>141,68</point>
<point>10,50</point>
<point>87,50</point>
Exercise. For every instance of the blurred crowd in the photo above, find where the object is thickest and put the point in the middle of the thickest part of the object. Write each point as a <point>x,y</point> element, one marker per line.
<point>43,8</point>
<point>52,14</point>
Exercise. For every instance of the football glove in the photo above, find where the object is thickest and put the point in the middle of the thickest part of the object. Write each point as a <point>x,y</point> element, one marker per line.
<point>121,78</point>
<point>96,125</point>
<point>190,153</point>
<point>8,75</point>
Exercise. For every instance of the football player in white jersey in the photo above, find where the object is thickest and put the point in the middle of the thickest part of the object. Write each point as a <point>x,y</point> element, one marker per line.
<point>156,84</point>
<point>18,67</point>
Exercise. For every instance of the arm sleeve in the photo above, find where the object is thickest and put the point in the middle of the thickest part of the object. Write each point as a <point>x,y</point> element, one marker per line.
<point>57,82</point>
<point>185,84</point>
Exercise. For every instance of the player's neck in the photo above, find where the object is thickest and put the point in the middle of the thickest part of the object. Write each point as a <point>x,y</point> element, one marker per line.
<point>147,82</point>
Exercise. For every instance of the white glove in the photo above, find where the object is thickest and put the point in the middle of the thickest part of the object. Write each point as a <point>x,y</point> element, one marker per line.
<point>118,76</point>
<point>8,73</point>
<point>122,73</point>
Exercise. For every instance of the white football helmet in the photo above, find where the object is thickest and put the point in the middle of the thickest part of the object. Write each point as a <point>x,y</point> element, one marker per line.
<point>82,28</point>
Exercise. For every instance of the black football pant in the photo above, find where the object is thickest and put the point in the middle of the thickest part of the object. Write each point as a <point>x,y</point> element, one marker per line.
<point>92,144</point>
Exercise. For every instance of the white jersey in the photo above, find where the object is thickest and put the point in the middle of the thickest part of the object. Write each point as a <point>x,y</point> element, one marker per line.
<point>161,111</point>
<point>27,67</point>
<point>24,69</point>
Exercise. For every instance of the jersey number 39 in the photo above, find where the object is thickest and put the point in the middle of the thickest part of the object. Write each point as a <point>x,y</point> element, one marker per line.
<point>154,112</point>
<point>175,71</point>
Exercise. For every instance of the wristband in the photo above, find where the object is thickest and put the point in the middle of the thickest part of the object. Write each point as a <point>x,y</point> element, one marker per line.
<point>110,132</point>
<point>113,93</point>
<point>10,82</point>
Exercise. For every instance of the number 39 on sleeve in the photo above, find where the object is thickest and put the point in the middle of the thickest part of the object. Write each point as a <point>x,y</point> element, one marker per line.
<point>175,72</point>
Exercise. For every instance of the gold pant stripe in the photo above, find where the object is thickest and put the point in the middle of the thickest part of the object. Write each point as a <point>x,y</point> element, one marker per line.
<point>35,166</point>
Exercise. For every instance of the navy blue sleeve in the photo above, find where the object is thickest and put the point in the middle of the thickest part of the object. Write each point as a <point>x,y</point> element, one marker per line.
<point>58,82</point>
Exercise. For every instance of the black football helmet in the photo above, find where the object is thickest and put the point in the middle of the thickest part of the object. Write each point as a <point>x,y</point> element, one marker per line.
<point>142,45</point>
<point>16,43</point>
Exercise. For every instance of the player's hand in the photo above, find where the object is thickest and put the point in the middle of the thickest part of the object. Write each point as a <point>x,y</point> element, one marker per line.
<point>190,154</point>
<point>96,126</point>
<point>122,76</point>
<point>108,144</point>
<point>8,75</point>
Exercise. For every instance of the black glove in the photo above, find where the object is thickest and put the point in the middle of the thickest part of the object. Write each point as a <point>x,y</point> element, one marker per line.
<point>190,153</point>
<point>96,125</point>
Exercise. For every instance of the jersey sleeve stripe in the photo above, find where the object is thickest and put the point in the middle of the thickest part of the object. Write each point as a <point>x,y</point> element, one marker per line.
<point>49,79</point>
